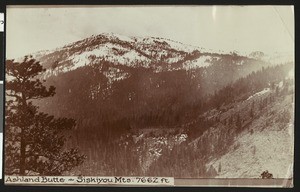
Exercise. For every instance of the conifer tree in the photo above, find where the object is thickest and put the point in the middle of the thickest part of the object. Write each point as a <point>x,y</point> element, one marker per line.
<point>252,110</point>
<point>34,142</point>
<point>238,122</point>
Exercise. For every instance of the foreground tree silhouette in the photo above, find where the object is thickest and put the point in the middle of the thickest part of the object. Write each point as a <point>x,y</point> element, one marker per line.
<point>34,141</point>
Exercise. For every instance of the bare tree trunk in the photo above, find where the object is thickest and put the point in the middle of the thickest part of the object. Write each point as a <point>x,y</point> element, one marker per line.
<point>23,144</point>
<point>22,153</point>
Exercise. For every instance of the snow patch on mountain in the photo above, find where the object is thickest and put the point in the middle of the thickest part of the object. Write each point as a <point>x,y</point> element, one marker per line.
<point>202,61</point>
<point>115,74</point>
<point>266,90</point>
<point>174,58</point>
<point>180,46</point>
<point>120,37</point>
<point>180,138</point>
<point>109,52</point>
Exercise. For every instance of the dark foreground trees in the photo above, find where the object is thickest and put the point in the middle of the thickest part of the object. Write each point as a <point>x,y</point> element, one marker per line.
<point>34,141</point>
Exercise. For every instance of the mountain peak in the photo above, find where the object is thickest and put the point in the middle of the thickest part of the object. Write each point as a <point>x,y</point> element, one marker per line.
<point>113,36</point>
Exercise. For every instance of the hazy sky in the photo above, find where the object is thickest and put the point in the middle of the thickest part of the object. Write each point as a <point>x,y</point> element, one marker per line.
<point>228,28</point>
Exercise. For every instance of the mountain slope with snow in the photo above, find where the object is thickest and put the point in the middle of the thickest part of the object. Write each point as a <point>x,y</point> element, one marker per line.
<point>156,53</point>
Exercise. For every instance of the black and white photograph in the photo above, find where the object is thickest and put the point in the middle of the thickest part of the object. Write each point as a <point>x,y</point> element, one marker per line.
<point>183,92</point>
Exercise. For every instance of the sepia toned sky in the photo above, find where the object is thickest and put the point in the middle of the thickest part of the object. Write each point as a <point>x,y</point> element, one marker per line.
<point>227,28</point>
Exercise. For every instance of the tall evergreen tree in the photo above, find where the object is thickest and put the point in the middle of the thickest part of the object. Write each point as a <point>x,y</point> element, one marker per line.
<point>252,110</point>
<point>238,122</point>
<point>34,142</point>
<point>219,168</point>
